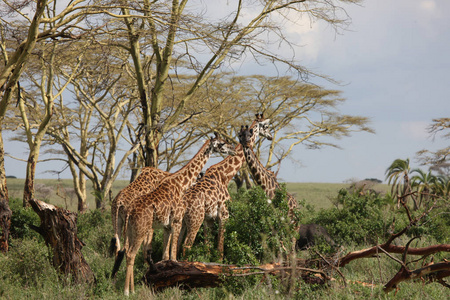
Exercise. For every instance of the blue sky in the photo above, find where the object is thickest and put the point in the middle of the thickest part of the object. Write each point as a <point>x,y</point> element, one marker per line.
<point>393,63</point>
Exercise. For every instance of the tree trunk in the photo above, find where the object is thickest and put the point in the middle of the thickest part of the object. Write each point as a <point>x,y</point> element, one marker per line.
<point>59,229</point>
<point>28,189</point>
<point>81,193</point>
<point>5,222</point>
<point>5,211</point>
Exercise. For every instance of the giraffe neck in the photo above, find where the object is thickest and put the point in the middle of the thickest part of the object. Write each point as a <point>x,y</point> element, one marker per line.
<point>263,177</point>
<point>227,168</point>
<point>186,176</point>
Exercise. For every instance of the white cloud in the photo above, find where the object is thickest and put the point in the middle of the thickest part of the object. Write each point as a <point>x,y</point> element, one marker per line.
<point>415,130</point>
<point>428,5</point>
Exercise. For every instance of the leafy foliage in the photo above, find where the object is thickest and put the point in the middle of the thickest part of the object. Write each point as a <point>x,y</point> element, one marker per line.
<point>356,218</point>
<point>259,229</point>
<point>22,219</point>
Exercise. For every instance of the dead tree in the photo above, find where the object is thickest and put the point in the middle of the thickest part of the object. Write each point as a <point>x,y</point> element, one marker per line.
<point>5,224</point>
<point>59,229</point>
<point>432,271</point>
<point>188,275</point>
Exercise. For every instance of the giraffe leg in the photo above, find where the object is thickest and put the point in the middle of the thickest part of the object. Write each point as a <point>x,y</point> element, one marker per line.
<point>129,277</point>
<point>147,247</point>
<point>207,228</point>
<point>181,236</point>
<point>176,228</point>
<point>223,218</point>
<point>167,238</point>
<point>190,236</point>
<point>193,221</point>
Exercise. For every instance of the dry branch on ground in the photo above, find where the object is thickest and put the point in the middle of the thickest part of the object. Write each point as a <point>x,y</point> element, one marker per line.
<point>187,275</point>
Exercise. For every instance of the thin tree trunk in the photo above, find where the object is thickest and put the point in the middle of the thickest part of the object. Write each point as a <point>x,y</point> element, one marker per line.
<point>28,190</point>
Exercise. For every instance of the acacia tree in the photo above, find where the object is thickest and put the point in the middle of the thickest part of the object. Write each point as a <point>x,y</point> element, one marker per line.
<point>31,105</point>
<point>173,37</point>
<point>21,27</point>
<point>301,113</point>
<point>438,160</point>
<point>100,106</point>
<point>14,62</point>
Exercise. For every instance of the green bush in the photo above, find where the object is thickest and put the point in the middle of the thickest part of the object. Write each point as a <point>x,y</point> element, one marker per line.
<point>21,220</point>
<point>258,229</point>
<point>359,219</point>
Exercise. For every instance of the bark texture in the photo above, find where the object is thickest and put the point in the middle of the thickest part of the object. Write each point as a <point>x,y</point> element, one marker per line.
<point>188,275</point>
<point>59,229</point>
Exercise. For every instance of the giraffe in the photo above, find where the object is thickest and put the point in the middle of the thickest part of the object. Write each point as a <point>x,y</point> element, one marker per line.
<point>206,200</point>
<point>263,177</point>
<point>145,183</point>
<point>163,206</point>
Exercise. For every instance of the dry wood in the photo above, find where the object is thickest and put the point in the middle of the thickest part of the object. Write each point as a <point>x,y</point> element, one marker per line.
<point>5,223</point>
<point>59,229</point>
<point>436,271</point>
<point>369,252</point>
<point>187,275</point>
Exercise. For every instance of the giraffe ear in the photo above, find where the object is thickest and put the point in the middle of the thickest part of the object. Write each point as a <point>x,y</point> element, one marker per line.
<point>216,134</point>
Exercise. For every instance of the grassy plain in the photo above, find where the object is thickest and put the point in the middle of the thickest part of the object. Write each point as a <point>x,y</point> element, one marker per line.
<point>60,192</point>
<point>25,271</point>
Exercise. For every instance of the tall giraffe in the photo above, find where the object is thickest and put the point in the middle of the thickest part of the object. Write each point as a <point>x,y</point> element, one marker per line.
<point>207,198</point>
<point>263,177</point>
<point>164,206</point>
<point>145,183</point>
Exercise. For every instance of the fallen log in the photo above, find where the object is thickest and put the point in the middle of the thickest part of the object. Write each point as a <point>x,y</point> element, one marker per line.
<point>434,272</point>
<point>59,229</point>
<point>187,275</point>
<point>369,252</point>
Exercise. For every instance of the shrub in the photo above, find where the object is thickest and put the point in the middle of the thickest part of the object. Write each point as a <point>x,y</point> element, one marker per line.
<point>357,218</point>
<point>22,219</point>
<point>258,229</point>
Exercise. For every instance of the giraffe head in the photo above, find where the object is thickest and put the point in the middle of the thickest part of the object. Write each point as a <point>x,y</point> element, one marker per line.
<point>219,145</point>
<point>245,136</point>
<point>262,127</point>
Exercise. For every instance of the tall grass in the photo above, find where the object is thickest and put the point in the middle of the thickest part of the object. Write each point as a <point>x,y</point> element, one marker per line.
<point>26,271</point>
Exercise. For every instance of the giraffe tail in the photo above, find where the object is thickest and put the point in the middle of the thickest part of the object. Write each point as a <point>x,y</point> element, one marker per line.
<point>115,242</point>
<point>117,263</point>
<point>121,253</point>
<point>112,247</point>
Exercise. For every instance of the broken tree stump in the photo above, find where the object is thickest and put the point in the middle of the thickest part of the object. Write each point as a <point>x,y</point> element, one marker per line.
<point>188,275</point>
<point>59,229</point>
<point>5,223</point>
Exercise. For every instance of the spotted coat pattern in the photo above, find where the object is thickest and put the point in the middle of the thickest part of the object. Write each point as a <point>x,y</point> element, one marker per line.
<point>145,183</point>
<point>206,200</point>
<point>164,207</point>
<point>263,177</point>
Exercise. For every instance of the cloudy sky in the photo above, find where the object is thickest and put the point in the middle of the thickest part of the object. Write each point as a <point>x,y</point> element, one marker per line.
<point>393,62</point>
